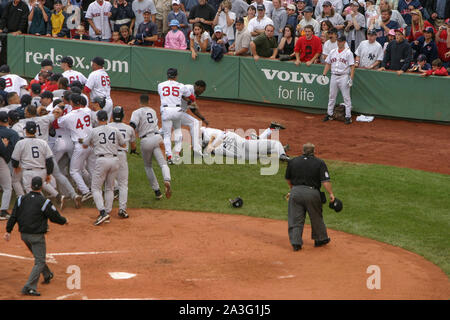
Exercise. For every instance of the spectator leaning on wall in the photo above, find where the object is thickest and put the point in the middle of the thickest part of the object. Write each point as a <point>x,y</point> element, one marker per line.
<point>122,15</point>
<point>97,15</point>
<point>15,17</point>
<point>398,55</point>
<point>58,21</point>
<point>39,19</point>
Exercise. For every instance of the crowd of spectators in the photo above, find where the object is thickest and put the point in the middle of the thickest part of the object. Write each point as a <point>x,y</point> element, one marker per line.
<point>383,34</point>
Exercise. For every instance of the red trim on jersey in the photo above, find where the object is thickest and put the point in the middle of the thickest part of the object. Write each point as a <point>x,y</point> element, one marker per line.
<point>86,90</point>
<point>192,97</point>
<point>55,124</point>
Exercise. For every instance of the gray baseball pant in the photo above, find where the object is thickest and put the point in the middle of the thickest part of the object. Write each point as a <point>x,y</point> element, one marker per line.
<point>5,183</point>
<point>304,199</point>
<point>105,173</point>
<point>150,146</point>
<point>340,83</point>
<point>36,244</point>
<point>122,179</point>
<point>29,174</point>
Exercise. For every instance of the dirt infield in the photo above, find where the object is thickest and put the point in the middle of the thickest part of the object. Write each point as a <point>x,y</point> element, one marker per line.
<point>188,255</point>
<point>232,257</point>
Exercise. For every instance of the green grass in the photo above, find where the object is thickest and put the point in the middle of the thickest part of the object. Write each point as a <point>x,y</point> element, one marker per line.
<point>403,207</point>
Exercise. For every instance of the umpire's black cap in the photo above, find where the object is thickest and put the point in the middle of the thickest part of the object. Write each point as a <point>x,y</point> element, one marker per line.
<point>36,183</point>
<point>172,73</point>
<point>30,127</point>
<point>118,113</point>
<point>99,61</point>
<point>3,116</point>
<point>67,60</point>
<point>336,205</point>
<point>102,115</point>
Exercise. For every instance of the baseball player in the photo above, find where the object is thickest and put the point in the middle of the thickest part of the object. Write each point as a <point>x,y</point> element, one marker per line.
<point>97,104</point>
<point>99,84</point>
<point>14,83</point>
<point>35,158</point>
<point>9,139</point>
<point>130,140</point>
<point>71,75</point>
<point>171,93</point>
<point>145,121</point>
<point>187,120</point>
<point>233,145</point>
<point>106,141</point>
<point>342,65</point>
<point>78,124</point>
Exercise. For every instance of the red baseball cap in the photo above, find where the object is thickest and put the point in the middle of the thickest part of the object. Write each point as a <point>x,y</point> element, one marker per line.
<point>447,21</point>
<point>401,30</point>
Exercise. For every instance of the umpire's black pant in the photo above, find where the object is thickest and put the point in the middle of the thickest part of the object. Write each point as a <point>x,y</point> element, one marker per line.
<point>304,199</point>
<point>36,244</point>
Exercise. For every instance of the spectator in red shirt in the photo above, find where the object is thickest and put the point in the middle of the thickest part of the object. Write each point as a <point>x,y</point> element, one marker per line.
<point>443,42</point>
<point>52,83</point>
<point>436,69</point>
<point>308,47</point>
<point>418,25</point>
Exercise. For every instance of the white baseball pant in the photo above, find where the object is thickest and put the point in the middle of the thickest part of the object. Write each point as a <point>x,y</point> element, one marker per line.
<point>340,83</point>
<point>171,118</point>
<point>194,128</point>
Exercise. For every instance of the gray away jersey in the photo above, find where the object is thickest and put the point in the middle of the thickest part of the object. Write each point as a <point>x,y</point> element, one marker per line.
<point>105,140</point>
<point>126,131</point>
<point>42,125</point>
<point>32,153</point>
<point>146,121</point>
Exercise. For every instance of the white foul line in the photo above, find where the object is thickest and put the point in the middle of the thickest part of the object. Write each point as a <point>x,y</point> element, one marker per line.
<point>81,253</point>
<point>14,256</point>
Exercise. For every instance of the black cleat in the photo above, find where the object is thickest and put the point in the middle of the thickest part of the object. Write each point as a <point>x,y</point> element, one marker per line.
<point>276,125</point>
<point>47,279</point>
<point>284,157</point>
<point>4,215</point>
<point>116,194</point>
<point>348,120</point>
<point>101,218</point>
<point>319,243</point>
<point>30,292</point>
<point>327,117</point>
<point>158,194</point>
<point>123,214</point>
<point>297,247</point>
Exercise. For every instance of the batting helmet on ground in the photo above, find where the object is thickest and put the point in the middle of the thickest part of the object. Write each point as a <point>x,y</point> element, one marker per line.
<point>172,73</point>
<point>336,205</point>
<point>237,202</point>
<point>118,113</point>
<point>102,115</point>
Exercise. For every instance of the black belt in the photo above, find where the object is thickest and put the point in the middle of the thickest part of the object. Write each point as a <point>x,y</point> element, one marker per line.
<point>166,105</point>
<point>121,150</point>
<point>148,135</point>
<point>35,169</point>
<point>59,136</point>
<point>339,74</point>
<point>102,155</point>
<point>304,185</point>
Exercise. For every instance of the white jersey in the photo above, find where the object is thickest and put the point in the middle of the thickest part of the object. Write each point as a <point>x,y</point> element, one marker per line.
<point>145,120</point>
<point>98,14</point>
<point>208,133</point>
<point>127,133</point>
<point>73,75</point>
<point>233,144</point>
<point>171,93</point>
<point>340,61</point>
<point>256,24</point>
<point>42,125</point>
<point>58,93</point>
<point>99,84</point>
<point>328,46</point>
<point>369,53</point>
<point>78,123</point>
<point>14,83</point>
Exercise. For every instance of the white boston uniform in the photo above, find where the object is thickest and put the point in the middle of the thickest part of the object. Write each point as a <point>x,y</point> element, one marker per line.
<point>14,83</point>
<point>340,74</point>
<point>100,85</point>
<point>78,125</point>
<point>99,16</point>
<point>191,122</point>
<point>171,93</point>
<point>73,75</point>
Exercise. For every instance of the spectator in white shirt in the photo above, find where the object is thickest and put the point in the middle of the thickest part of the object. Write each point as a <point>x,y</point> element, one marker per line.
<point>257,25</point>
<point>370,53</point>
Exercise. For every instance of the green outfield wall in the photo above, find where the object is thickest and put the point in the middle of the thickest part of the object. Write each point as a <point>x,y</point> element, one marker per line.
<point>266,81</point>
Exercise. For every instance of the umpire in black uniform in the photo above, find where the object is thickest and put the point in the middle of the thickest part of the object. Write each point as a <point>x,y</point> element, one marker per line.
<point>31,212</point>
<point>305,174</point>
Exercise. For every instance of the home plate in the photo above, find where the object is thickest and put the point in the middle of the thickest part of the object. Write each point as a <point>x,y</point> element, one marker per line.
<point>121,275</point>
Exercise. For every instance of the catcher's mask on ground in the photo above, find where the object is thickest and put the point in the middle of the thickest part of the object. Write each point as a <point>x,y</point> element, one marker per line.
<point>237,202</point>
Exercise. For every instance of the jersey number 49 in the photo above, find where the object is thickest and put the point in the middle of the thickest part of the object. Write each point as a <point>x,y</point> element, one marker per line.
<point>86,120</point>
